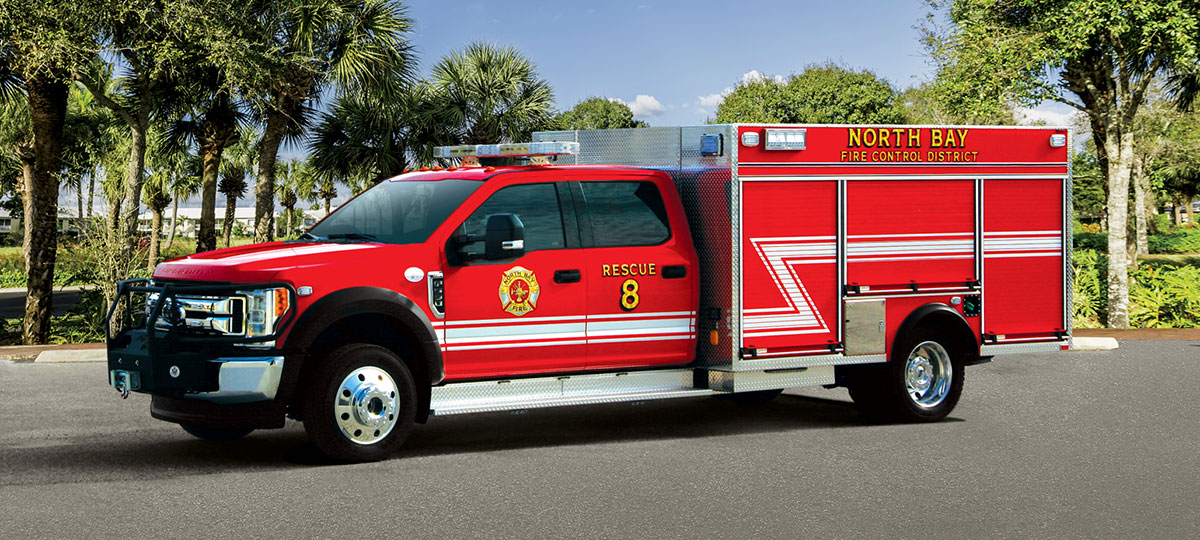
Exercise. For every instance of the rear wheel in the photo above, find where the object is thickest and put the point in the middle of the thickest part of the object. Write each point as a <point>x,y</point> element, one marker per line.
<point>922,382</point>
<point>360,406</point>
<point>215,434</point>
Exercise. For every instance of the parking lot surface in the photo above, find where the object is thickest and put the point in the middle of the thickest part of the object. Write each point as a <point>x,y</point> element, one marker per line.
<point>1070,445</point>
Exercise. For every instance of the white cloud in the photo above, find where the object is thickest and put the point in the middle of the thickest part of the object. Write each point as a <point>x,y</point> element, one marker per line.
<point>1042,116</point>
<point>713,100</point>
<point>643,105</point>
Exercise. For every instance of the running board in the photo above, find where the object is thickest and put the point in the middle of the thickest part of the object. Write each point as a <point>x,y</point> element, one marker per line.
<point>518,394</point>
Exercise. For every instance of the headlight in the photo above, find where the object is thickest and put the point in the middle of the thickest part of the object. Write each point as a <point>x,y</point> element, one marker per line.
<point>264,307</point>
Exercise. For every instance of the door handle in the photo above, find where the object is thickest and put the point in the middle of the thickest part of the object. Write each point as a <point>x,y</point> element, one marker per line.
<point>674,272</point>
<point>566,276</point>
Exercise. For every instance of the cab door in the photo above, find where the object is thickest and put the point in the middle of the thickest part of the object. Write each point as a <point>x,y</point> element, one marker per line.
<point>524,315</point>
<point>641,275</point>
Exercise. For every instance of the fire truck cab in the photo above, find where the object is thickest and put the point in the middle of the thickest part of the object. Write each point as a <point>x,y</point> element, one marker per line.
<point>621,265</point>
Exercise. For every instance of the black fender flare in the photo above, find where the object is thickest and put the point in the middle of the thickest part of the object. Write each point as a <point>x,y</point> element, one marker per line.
<point>338,305</point>
<point>945,317</point>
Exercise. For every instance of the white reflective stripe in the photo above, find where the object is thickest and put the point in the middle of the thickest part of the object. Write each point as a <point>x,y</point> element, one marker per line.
<point>913,235</point>
<point>1007,255</point>
<point>783,332</point>
<point>514,320</point>
<point>512,345</point>
<point>648,338</point>
<point>779,255</point>
<point>765,310</point>
<point>792,238</point>
<point>1021,233</point>
<point>925,258</point>
<point>636,315</point>
<point>455,334</point>
<point>593,327</point>
<point>527,337</point>
<point>885,248</point>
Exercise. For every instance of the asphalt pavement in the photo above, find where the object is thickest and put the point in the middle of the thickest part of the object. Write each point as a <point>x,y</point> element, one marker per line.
<point>1068,445</point>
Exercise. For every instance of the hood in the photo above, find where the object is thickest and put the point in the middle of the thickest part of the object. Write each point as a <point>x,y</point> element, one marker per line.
<point>263,262</point>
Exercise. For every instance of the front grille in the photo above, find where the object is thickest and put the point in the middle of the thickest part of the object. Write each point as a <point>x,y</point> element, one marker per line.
<point>218,315</point>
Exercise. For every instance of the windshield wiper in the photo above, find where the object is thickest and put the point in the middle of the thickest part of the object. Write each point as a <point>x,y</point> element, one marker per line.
<point>352,236</point>
<point>310,236</point>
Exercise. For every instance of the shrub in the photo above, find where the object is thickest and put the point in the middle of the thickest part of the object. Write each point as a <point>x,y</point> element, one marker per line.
<point>1182,240</point>
<point>1088,290</point>
<point>1165,297</point>
<point>1092,241</point>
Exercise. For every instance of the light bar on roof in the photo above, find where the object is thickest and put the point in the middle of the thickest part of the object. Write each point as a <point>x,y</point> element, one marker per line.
<point>552,148</point>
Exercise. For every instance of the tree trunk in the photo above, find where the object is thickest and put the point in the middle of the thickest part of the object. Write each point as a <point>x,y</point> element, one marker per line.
<point>1141,186</point>
<point>1187,209</point>
<point>134,178</point>
<point>327,201</point>
<point>230,207</point>
<point>79,216</point>
<point>174,223</point>
<point>206,237</point>
<point>27,172</point>
<point>91,192</point>
<point>1177,212</point>
<point>264,188</point>
<point>155,229</point>
<point>1119,148</point>
<point>47,112</point>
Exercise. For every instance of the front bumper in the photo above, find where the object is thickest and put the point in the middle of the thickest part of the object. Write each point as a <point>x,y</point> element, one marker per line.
<point>178,363</point>
<point>239,380</point>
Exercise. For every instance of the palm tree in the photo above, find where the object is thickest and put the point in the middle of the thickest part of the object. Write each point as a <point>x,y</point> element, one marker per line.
<point>184,183</point>
<point>156,196</point>
<point>491,94</point>
<point>365,136</point>
<point>356,45</point>
<point>238,163</point>
<point>287,175</point>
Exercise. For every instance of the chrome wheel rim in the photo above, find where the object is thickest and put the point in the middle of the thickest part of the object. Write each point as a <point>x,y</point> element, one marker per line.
<point>365,406</point>
<point>927,374</point>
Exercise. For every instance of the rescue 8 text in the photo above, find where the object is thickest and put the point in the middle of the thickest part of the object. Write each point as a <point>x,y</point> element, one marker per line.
<point>640,269</point>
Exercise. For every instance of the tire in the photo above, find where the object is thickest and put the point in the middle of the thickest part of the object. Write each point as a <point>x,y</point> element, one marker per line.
<point>360,405</point>
<point>215,434</point>
<point>921,383</point>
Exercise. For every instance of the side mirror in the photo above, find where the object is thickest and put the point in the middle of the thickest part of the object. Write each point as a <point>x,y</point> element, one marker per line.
<point>504,238</point>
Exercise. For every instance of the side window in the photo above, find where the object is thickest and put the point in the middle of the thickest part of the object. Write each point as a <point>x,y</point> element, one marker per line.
<point>626,213</point>
<point>536,205</point>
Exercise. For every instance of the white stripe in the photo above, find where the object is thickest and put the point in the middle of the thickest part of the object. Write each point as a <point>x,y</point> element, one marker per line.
<point>791,238</point>
<point>784,333</point>
<point>512,345</point>
<point>514,330</point>
<point>914,235</point>
<point>515,320</point>
<point>526,337</point>
<point>640,339</point>
<point>928,258</point>
<point>1021,233</point>
<point>643,315</point>
<point>627,325</point>
<point>1008,255</point>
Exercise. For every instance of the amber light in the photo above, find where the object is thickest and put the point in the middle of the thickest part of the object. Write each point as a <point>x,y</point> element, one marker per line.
<point>281,302</point>
<point>713,337</point>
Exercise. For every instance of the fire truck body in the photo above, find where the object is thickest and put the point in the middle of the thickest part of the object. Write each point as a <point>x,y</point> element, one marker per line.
<point>644,264</point>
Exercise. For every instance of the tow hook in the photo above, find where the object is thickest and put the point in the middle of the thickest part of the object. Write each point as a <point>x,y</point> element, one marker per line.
<point>124,381</point>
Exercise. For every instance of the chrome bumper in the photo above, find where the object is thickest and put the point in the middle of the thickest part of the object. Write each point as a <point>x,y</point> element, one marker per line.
<point>245,380</point>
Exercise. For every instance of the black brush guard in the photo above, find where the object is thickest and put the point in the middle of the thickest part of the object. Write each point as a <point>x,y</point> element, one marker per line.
<point>176,360</point>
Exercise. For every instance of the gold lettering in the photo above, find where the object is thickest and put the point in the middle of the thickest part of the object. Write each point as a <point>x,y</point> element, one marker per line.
<point>950,141</point>
<point>652,269</point>
<point>624,269</point>
<point>885,137</point>
<point>914,138</point>
<point>854,138</point>
<point>869,141</point>
<point>604,271</point>
<point>935,136</point>
<point>899,133</point>
<point>962,138</point>
<point>844,155</point>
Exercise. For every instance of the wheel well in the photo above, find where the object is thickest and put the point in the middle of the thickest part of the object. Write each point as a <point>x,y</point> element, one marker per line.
<point>376,329</point>
<point>946,322</point>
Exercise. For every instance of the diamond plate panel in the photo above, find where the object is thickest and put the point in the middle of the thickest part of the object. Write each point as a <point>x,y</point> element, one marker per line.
<point>749,381</point>
<point>710,193</point>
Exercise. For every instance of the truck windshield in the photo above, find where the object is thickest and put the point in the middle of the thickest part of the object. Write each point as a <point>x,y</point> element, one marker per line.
<point>395,212</point>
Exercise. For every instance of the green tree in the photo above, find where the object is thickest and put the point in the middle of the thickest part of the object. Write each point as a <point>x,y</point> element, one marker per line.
<point>491,94</point>
<point>183,170</point>
<point>368,138</point>
<point>157,198</point>
<point>41,43</point>
<point>922,106</point>
<point>598,113</point>
<point>822,94</point>
<point>237,165</point>
<point>354,46</point>
<point>1098,56</point>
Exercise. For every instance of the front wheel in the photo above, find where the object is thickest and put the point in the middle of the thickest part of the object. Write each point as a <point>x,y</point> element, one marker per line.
<point>922,382</point>
<point>360,406</point>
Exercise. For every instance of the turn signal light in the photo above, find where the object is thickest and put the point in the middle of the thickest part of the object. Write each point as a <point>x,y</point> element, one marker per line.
<point>281,302</point>
<point>713,337</point>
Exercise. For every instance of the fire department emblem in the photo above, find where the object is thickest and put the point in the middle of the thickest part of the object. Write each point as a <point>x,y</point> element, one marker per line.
<point>519,291</point>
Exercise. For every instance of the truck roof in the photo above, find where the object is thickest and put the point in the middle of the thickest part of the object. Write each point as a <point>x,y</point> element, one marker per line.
<point>484,173</point>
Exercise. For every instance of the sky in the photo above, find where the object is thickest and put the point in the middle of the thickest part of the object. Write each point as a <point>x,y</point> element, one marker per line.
<point>671,61</point>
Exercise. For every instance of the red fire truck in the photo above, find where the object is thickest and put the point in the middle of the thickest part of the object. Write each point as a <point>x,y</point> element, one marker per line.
<point>621,265</point>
